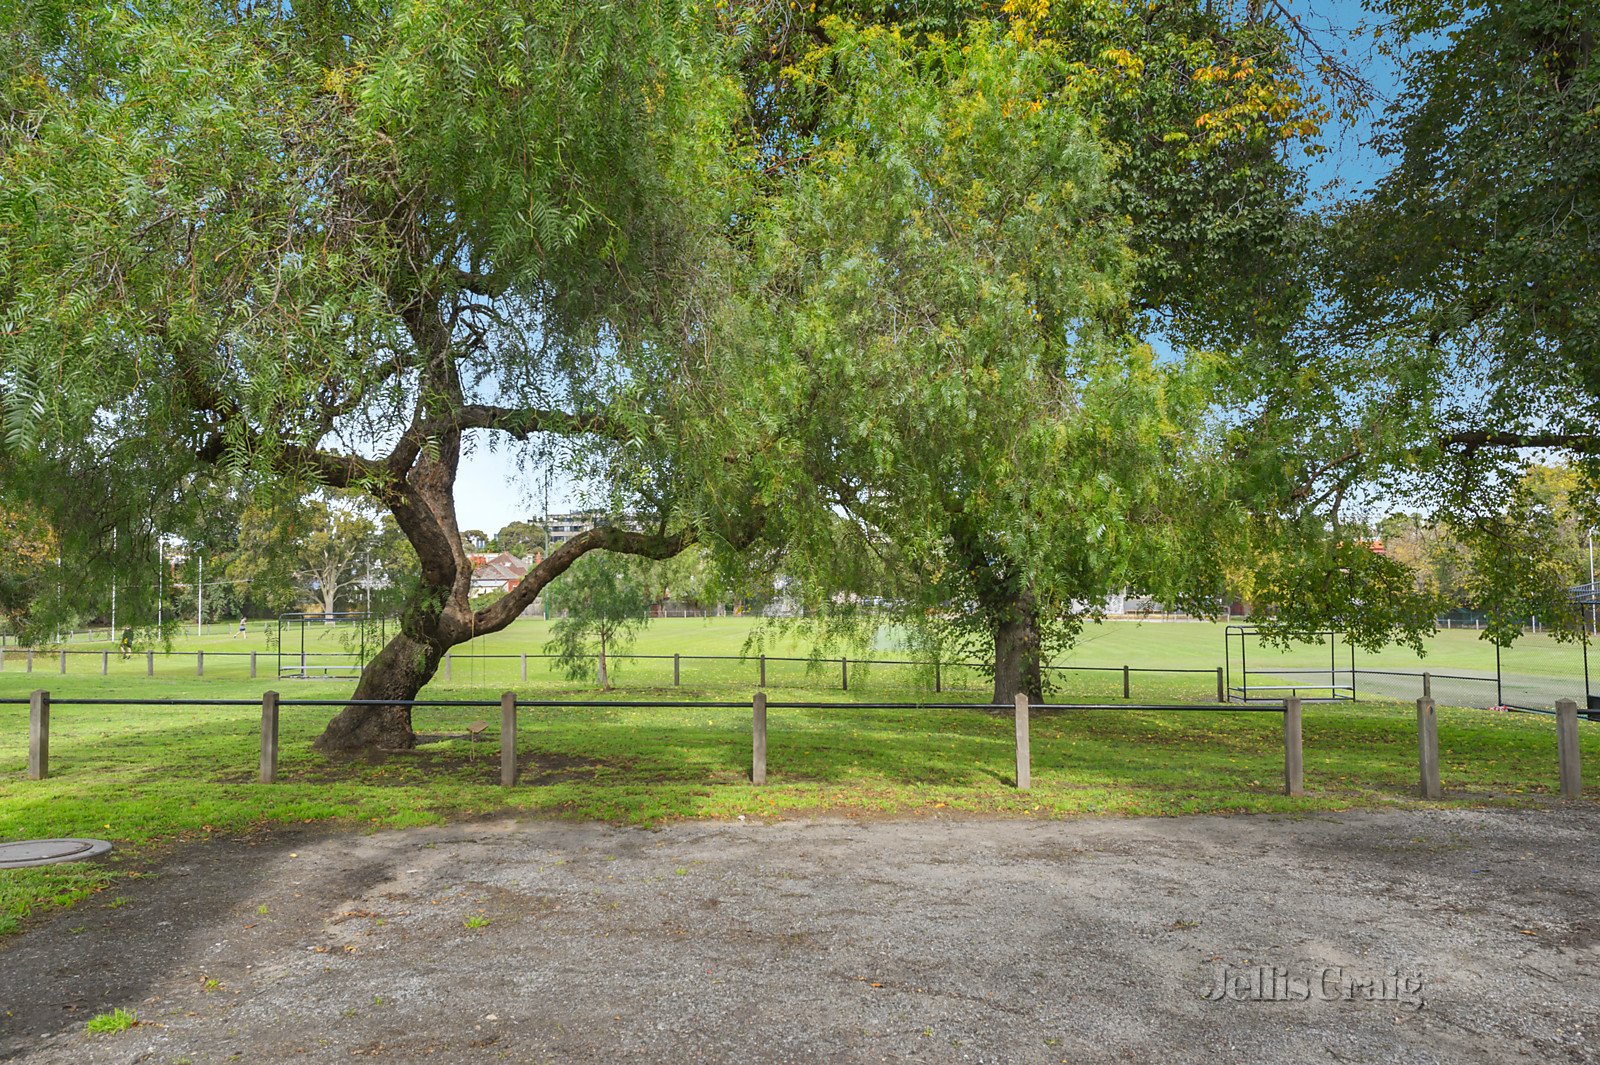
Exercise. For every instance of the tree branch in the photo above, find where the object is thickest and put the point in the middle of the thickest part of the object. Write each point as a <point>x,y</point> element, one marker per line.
<point>1582,443</point>
<point>522,422</point>
<point>501,613</point>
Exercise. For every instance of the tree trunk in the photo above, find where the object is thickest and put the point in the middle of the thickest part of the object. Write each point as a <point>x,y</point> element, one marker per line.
<point>605,681</point>
<point>1017,665</point>
<point>399,671</point>
<point>420,493</point>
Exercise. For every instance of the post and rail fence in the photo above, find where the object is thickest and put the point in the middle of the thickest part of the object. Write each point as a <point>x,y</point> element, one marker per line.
<point>272,703</point>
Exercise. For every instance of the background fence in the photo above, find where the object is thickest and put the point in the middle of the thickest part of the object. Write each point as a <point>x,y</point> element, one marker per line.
<point>1531,677</point>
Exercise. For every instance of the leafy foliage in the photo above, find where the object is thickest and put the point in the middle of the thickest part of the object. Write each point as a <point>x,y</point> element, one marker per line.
<point>604,601</point>
<point>1459,329</point>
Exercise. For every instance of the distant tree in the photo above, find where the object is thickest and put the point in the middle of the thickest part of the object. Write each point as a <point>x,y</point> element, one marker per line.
<point>27,554</point>
<point>523,538</point>
<point>605,600</point>
<point>319,548</point>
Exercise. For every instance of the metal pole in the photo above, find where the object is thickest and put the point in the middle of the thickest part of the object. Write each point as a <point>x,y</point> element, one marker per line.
<point>1594,622</point>
<point>200,597</point>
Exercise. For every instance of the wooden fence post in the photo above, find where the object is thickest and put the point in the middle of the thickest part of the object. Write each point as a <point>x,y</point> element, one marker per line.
<point>1428,748</point>
<point>149,663</point>
<point>677,674</point>
<point>269,737</point>
<point>937,680</point>
<point>199,663</point>
<point>39,735</point>
<point>1024,754</point>
<point>1567,749</point>
<point>844,674</point>
<point>30,660</point>
<point>524,669</point>
<point>1222,692</point>
<point>105,662</point>
<point>252,665</point>
<point>447,667</point>
<point>1293,754</point>
<point>1125,688</point>
<point>508,739</point>
<point>63,663</point>
<point>758,738</point>
<point>1427,685</point>
<point>763,683</point>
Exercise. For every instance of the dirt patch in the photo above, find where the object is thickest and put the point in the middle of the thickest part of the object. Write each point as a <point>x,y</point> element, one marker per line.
<point>828,940</point>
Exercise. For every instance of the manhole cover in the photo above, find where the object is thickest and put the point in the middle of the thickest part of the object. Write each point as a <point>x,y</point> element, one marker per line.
<point>49,851</point>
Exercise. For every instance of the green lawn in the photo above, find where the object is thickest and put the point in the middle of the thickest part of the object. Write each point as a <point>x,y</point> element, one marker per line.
<point>146,775</point>
<point>1185,644</point>
<point>1141,645</point>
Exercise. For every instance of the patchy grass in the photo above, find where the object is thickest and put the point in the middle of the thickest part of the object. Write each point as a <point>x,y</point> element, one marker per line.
<point>118,1020</point>
<point>145,776</point>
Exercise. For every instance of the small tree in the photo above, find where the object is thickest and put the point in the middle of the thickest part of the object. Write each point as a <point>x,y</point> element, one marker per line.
<point>606,599</point>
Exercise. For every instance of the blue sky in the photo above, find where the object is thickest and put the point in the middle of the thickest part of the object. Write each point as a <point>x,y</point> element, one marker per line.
<point>491,492</point>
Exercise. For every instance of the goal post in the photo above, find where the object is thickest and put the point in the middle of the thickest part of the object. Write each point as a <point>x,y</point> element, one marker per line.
<point>1317,669</point>
<point>327,645</point>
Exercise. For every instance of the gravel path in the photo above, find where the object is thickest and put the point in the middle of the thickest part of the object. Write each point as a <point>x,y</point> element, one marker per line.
<point>837,941</point>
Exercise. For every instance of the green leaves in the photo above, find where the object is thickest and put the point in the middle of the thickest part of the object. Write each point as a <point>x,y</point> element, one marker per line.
<point>603,601</point>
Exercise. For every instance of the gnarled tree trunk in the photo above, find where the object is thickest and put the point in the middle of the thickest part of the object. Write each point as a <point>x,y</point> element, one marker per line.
<point>440,615</point>
<point>416,481</point>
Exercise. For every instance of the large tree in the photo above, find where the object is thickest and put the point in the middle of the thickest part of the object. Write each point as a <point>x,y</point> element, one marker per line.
<point>1116,468</point>
<point>326,242</point>
<point>1460,342</point>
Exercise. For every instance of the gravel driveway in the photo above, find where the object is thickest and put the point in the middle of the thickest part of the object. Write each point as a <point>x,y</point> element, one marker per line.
<point>1417,935</point>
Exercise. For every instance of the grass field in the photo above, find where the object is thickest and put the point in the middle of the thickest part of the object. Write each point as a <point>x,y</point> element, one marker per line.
<point>1197,644</point>
<point>146,775</point>
<point>1140,645</point>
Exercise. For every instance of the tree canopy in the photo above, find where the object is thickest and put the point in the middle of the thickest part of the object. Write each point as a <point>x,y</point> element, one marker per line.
<point>995,307</point>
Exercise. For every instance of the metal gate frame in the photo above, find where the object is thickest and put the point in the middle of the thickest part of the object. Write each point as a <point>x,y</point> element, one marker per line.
<point>1241,692</point>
